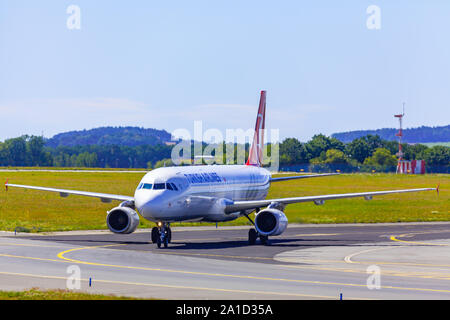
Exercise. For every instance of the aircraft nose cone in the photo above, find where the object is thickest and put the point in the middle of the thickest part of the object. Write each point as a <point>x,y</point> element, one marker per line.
<point>149,205</point>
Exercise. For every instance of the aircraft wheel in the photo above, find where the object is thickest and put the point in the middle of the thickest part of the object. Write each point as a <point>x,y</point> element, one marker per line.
<point>252,236</point>
<point>264,240</point>
<point>155,234</point>
<point>158,242</point>
<point>169,234</point>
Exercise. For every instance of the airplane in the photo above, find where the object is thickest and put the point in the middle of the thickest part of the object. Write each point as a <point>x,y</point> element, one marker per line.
<point>210,193</point>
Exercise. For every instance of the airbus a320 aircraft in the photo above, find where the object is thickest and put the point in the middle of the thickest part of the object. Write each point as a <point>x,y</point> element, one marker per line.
<point>209,193</point>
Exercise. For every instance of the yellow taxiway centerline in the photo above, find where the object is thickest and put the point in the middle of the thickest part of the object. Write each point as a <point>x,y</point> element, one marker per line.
<point>394,238</point>
<point>61,256</point>
<point>179,287</point>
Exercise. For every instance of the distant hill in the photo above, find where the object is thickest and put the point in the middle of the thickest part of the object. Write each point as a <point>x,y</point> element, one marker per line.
<point>122,136</point>
<point>413,135</point>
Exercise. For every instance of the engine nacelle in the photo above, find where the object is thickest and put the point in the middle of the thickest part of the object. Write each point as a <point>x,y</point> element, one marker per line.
<point>271,222</point>
<point>122,220</point>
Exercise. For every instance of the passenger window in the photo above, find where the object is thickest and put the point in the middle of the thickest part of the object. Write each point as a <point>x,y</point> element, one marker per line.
<point>159,186</point>
<point>147,186</point>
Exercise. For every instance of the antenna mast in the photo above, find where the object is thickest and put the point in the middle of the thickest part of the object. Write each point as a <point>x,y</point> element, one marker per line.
<point>399,134</point>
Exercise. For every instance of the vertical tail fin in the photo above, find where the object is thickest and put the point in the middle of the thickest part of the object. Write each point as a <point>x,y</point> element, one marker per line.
<point>255,156</point>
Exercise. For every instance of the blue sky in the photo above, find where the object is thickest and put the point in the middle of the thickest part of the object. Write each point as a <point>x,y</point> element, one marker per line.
<point>166,64</point>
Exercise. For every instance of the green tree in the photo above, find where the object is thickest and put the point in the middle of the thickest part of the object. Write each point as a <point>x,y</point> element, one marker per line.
<point>320,143</point>
<point>163,163</point>
<point>358,149</point>
<point>415,151</point>
<point>36,153</point>
<point>17,151</point>
<point>392,146</point>
<point>334,156</point>
<point>4,155</point>
<point>292,152</point>
<point>381,157</point>
<point>437,156</point>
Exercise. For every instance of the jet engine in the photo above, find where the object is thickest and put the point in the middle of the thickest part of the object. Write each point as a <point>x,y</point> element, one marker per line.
<point>271,222</point>
<point>122,220</point>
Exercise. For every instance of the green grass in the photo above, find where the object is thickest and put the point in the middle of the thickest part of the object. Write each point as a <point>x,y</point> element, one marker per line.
<point>73,168</point>
<point>422,206</point>
<point>38,211</point>
<point>47,211</point>
<point>36,294</point>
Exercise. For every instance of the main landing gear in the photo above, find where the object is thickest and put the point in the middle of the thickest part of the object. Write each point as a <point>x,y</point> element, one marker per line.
<point>253,235</point>
<point>162,235</point>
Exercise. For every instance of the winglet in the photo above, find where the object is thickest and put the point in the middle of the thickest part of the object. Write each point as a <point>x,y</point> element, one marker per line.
<point>437,188</point>
<point>6,185</point>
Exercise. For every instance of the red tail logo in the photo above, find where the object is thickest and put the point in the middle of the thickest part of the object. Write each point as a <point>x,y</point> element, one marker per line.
<point>255,156</point>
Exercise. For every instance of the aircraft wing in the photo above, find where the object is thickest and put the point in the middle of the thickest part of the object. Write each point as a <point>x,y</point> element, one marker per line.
<point>253,204</point>
<point>104,197</point>
<point>302,176</point>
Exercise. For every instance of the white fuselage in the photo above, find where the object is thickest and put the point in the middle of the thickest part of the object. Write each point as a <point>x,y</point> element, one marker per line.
<point>198,193</point>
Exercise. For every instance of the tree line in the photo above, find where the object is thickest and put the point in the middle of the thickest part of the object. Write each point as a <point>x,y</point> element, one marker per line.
<point>320,154</point>
<point>30,151</point>
<point>417,135</point>
<point>366,153</point>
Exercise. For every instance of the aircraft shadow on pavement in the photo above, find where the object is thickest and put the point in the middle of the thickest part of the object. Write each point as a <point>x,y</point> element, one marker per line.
<point>186,244</point>
<point>274,243</point>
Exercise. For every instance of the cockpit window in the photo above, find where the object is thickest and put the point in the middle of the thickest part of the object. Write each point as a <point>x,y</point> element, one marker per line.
<point>159,186</point>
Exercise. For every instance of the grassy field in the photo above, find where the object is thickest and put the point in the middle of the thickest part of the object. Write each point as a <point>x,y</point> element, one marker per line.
<point>36,294</point>
<point>36,211</point>
<point>71,169</point>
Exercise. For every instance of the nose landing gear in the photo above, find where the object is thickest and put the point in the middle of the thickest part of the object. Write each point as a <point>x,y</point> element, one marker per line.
<point>162,235</point>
